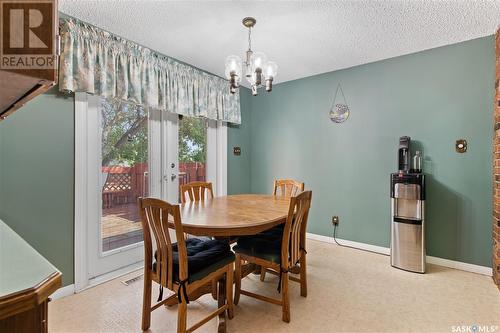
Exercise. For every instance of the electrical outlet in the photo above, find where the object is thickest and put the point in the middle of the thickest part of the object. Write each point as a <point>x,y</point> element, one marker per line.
<point>335,220</point>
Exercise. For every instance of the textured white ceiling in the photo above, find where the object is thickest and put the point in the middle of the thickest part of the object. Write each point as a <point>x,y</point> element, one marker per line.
<point>303,37</point>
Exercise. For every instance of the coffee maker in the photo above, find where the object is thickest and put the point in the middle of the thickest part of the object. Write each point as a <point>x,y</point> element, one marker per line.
<point>407,213</point>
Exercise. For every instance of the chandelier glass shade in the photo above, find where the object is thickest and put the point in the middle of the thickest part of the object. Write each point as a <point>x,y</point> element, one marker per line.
<point>258,71</point>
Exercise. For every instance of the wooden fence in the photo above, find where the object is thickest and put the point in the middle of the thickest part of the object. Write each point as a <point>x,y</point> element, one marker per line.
<point>123,185</point>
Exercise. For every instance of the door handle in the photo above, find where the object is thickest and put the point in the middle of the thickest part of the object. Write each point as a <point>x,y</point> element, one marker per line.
<point>172,177</point>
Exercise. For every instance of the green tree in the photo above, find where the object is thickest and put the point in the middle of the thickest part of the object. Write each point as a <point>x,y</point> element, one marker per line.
<point>192,139</point>
<point>124,133</point>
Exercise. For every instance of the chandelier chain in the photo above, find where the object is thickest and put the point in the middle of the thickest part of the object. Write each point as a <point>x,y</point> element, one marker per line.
<point>249,38</point>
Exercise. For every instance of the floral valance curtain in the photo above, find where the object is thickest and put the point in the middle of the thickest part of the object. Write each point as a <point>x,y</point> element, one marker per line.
<point>98,62</point>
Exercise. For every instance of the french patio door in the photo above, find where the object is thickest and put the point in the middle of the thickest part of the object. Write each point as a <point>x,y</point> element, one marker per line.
<point>122,152</point>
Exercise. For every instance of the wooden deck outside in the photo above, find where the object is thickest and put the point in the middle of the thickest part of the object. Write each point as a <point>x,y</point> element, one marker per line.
<point>121,226</point>
<point>120,219</point>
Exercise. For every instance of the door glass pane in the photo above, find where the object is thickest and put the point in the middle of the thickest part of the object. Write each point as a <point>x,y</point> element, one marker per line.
<point>124,172</point>
<point>192,150</point>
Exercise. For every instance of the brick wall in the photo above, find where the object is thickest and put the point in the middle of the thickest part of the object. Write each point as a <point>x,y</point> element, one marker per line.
<point>496,169</point>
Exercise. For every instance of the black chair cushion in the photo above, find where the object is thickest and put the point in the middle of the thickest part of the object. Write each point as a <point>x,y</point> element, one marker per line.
<point>274,232</point>
<point>204,256</point>
<point>265,245</point>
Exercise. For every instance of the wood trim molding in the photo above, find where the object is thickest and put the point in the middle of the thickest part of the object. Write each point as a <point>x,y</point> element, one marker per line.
<point>495,258</point>
<point>29,298</point>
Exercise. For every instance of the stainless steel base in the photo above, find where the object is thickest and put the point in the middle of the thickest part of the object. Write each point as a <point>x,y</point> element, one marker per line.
<point>408,240</point>
<point>408,247</point>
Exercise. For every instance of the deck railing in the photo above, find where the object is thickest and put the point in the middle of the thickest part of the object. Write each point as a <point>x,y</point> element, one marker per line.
<point>122,185</point>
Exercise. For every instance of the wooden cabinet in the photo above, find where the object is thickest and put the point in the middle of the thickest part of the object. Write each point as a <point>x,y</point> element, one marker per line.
<point>18,85</point>
<point>33,320</point>
<point>26,281</point>
<point>16,90</point>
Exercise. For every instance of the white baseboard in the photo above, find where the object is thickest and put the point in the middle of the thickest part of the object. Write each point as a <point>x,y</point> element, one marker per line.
<point>70,290</point>
<point>113,275</point>
<point>361,246</point>
<point>463,266</point>
<point>63,292</point>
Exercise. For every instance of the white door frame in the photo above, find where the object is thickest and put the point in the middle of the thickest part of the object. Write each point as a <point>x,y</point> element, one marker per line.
<point>89,258</point>
<point>216,173</point>
<point>170,156</point>
<point>217,156</point>
<point>80,238</point>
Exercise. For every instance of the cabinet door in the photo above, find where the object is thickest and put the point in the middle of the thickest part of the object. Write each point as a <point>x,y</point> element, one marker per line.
<point>19,81</point>
<point>32,320</point>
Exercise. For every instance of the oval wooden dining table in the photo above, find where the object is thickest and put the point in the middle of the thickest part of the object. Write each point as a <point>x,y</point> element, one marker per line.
<point>234,215</point>
<point>229,217</point>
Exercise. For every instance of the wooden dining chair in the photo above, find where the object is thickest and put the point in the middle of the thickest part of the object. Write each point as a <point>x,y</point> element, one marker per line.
<point>279,255</point>
<point>182,267</point>
<point>287,187</point>
<point>197,191</point>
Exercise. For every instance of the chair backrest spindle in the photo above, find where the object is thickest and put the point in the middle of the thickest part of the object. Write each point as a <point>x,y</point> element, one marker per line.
<point>157,217</point>
<point>197,191</point>
<point>287,187</point>
<point>294,233</point>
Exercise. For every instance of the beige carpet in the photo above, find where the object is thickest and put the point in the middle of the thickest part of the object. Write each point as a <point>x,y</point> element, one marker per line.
<point>349,291</point>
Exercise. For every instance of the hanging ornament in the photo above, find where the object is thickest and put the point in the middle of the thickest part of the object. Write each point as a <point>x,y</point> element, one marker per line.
<point>339,112</point>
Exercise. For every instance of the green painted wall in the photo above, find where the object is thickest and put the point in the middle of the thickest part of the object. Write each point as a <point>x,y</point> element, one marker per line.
<point>436,97</point>
<point>36,177</point>
<point>238,167</point>
<point>37,173</point>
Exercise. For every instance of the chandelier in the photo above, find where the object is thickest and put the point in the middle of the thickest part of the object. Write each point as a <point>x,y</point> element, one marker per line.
<point>258,71</point>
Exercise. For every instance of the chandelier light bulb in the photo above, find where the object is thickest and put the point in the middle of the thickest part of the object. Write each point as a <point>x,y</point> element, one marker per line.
<point>271,69</point>
<point>258,60</point>
<point>233,66</point>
